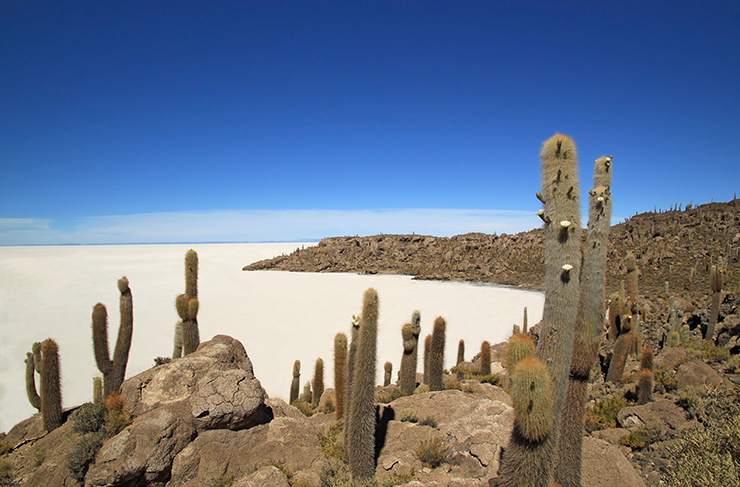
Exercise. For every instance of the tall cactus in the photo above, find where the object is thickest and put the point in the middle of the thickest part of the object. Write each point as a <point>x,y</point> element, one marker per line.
<point>360,429</point>
<point>621,350</point>
<point>351,359</point>
<point>114,370</point>
<point>437,355</point>
<point>560,195</point>
<point>318,382</point>
<point>187,335</point>
<point>51,389</point>
<point>646,378</point>
<point>460,359</point>
<point>340,374</point>
<point>427,356</point>
<point>589,327</point>
<point>717,276</point>
<point>295,384</point>
<point>407,376</point>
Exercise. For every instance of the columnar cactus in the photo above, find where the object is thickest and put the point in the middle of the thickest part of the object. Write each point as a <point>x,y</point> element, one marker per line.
<point>589,326</point>
<point>351,359</point>
<point>114,370</point>
<point>717,274</point>
<point>437,355</point>
<point>187,336</point>
<point>427,355</point>
<point>646,378</point>
<point>98,390</point>
<point>318,382</point>
<point>388,370</point>
<point>360,429</point>
<point>524,321</point>
<point>460,359</point>
<point>340,374</point>
<point>51,389</point>
<point>561,214</point>
<point>615,315</point>
<point>485,358</point>
<point>295,384</point>
<point>632,299</point>
<point>621,351</point>
<point>407,376</point>
<point>33,396</point>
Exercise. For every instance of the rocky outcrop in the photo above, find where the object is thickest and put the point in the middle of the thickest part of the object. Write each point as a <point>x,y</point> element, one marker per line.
<point>667,245</point>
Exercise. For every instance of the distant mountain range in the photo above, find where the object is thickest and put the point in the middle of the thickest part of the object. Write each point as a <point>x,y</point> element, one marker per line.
<point>674,246</point>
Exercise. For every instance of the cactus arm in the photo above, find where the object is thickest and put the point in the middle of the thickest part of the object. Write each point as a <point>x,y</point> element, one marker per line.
<point>33,396</point>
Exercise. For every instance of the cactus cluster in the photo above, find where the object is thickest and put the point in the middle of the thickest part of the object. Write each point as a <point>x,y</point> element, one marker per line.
<point>113,370</point>
<point>187,336</point>
<point>45,360</point>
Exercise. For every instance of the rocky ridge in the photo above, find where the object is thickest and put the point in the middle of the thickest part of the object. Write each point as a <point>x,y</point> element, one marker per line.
<point>667,245</point>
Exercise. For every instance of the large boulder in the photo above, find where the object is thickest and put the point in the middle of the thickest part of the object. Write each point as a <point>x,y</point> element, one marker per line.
<point>663,412</point>
<point>216,384</point>
<point>697,374</point>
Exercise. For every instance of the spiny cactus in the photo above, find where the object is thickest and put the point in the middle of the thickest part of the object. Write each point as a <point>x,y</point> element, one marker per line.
<point>187,335</point>
<point>33,396</point>
<point>646,359</point>
<point>407,376</point>
<point>351,359</point>
<point>717,274</point>
<point>360,430</point>
<point>646,379</point>
<point>615,312</point>
<point>460,359</point>
<point>295,384</point>
<point>589,326</point>
<point>674,339</point>
<point>318,382</point>
<point>340,374</point>
<point>307,395</point>
<point>522,462</point>
<point>51,389</point>
<point>524,321</point>
<point>114,370</point>
<point>517,348</point>
<point>437,355</point>
<point>621,351</point>
<point>485,358</point>
<point>561,215</point>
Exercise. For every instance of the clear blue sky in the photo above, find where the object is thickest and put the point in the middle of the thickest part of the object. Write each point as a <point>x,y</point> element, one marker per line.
<point>217,121</point>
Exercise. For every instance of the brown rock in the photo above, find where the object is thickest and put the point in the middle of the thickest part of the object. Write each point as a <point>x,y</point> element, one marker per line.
<point>268,476</point>
<point>605,466</point>
<point>662,411</point>
<point>697,374</point>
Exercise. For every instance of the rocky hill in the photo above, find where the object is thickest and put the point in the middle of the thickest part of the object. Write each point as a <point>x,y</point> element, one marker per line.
<point>675,246</point>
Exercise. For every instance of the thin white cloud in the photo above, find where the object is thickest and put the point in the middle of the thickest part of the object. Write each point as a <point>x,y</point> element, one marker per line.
<point>267,225</point>
<point>24,224</point>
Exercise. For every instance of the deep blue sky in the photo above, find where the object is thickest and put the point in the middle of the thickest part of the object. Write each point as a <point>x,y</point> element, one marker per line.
<point>204,121</point>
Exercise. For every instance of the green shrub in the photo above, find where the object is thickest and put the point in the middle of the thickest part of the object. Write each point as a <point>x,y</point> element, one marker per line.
<point>400,478</point>
<point>453,384</point>
<point>162,360</point>
<point>83,454</point>
<point>303,406</point>
<point>387,396</point>
<point>665,380</point>
<point>652,431</point>
<point>432,452</point>
<point>332,441</point>
<point>633,440</point>
<point>409,415</point>
<point>604,414</point>
<point>493,379</point>
<point>428,421</point>
<point>691,400</point>
<point>88,418</point>
<point>334,473</point>
<point>711,352</point>
<point>706,457</point>
<point>422,389</point>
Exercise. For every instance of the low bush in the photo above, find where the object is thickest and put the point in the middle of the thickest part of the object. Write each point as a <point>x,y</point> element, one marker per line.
<point>7,479</point>
<point>428,421</point>
<point>88,418</point>
<point>633,440</point>
<point>83,454</point>
<point>332,441</point>
<point>604,414</point>
<point>733,365</point>
<point>389,395</point>
<point>409,415</point>
<point>432,452</point>
<point>303,407</point>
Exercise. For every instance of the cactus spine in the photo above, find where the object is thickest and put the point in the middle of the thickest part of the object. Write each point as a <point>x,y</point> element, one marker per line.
<point>485,358</point>
<point>295,384</point>
<point>437,355</point>
<point>318,382</point>
<point>407,376</point>
<point>560,195</point>
<point>187,336</point>
<point>360,429</point>
<point>340,374</point>
<point>588,327</point>
<point>717,276</point>
<point>51,389</point>
<point>114,370</point>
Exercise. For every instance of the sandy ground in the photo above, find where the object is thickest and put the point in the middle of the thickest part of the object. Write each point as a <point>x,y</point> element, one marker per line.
<point>278,316</point>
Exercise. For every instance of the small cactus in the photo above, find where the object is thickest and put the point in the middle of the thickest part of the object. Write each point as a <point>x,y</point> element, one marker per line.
<point>518,347</point>
<point>388,369</point>
<point>295,384</point>
<point>407,376</point>
<point>645,386</point>
<point>187,335</point>
<point>485,358</point>
<point>460,359</point>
